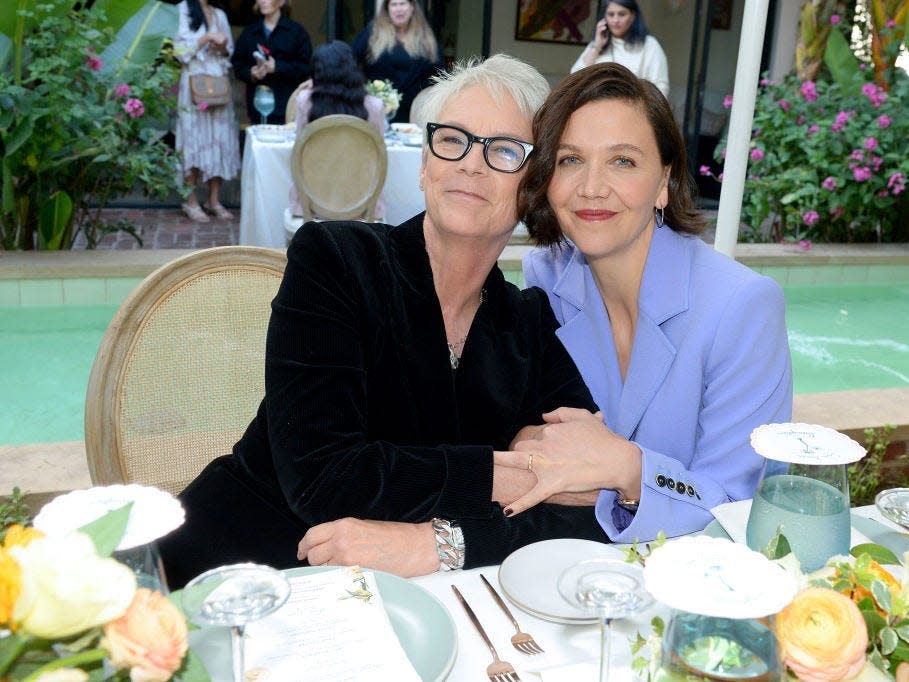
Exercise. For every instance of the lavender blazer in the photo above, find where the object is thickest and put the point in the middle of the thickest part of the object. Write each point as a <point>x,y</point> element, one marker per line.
<point>710,362</point>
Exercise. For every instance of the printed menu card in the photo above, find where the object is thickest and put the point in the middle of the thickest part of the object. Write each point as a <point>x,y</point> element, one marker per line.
<point>333,627</point>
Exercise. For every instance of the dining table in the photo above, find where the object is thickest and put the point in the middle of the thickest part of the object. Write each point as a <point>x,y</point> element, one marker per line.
<point>571,650</point>
<point>266,181</point>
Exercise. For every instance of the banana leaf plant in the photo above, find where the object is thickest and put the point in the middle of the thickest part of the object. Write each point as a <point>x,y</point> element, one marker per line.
<point>85,93</point>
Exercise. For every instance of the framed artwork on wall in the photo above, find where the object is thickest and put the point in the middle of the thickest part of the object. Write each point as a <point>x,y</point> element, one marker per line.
<point>569,22</point>
<point>722,14</point>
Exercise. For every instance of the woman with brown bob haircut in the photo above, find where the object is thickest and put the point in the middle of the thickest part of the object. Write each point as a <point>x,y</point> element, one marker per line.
<point>661,326</point>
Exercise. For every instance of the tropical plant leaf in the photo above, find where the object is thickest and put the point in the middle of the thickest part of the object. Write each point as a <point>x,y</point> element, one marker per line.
<point>140,37</point>
<point>53,217</point>
<point>843,64</point>
<point>878,553</point>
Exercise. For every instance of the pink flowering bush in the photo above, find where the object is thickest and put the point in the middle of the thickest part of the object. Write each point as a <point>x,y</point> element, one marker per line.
<point>828,158</point>
<point>80,126</point>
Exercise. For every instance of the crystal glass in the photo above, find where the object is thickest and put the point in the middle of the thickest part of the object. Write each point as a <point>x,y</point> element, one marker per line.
<point>234,596</point>
<point>697,647</point>
<point>607,588</point>
<point>264,101</point>
<point>811,503</point>
<point>145,560</point>
<point>893,503</point>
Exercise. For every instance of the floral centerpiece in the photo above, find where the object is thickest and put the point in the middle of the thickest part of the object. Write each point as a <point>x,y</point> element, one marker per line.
<point>385,91</point>
<point>70,613</point>
<point>848,622</point>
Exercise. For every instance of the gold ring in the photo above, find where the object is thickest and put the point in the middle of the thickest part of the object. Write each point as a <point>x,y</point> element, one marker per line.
<point>530,462</point>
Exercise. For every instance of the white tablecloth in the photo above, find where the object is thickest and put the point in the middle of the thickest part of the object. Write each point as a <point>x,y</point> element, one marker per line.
<point>265,186</point>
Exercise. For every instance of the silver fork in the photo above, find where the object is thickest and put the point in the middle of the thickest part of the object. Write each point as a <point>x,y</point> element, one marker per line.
<point>498,670</point>
<point>521,641</point>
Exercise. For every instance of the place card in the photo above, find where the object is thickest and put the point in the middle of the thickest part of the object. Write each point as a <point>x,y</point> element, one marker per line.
<point>332,627</point>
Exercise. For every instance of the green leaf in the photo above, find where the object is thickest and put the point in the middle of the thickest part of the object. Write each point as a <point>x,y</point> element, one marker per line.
<point>878,553</point>
<point>843,64</point>
<point>903,631</point>
<point>107,531</point>
<point>882,595</point>
<point>778,547</point>
<point>10,648</point>
<point>142,27</point>
<point>888,640</point>
<point>53,218</point>
<point>192,669</point>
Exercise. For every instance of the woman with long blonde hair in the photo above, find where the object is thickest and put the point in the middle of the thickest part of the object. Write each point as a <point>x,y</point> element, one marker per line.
<point>398,45</point>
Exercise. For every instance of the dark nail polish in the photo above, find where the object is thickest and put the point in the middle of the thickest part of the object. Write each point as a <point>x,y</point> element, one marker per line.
<point>508,511</point>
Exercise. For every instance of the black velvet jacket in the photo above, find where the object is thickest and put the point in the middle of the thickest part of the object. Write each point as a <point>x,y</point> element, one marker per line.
<point>363,415</point>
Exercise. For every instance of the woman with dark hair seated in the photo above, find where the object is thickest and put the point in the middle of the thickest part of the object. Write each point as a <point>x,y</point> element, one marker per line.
<point>337,88</point>
<point>684,350</point>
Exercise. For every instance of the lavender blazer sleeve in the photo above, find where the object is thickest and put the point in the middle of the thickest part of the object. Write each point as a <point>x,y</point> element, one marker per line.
<point>710,362</point>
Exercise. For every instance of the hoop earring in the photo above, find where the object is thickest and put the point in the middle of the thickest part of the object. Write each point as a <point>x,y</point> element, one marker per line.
<point>658,216</point>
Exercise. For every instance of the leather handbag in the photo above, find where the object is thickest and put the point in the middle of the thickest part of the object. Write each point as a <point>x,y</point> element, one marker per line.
<point>211,90</point>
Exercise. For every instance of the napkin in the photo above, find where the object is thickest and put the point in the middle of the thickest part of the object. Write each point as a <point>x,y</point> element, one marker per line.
<point>733,517</point>
<point>332,628</point>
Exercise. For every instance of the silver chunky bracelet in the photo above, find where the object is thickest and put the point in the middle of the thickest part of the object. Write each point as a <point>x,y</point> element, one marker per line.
<point>449,544</point>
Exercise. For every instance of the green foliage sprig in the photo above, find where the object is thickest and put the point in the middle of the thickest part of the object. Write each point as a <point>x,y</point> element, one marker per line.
<point>13,510</point>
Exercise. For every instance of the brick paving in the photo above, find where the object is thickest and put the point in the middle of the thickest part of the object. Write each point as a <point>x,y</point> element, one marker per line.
<point>167,228</point>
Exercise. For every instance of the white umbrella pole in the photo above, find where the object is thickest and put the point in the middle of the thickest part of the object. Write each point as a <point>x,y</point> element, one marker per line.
<point>747,73</point>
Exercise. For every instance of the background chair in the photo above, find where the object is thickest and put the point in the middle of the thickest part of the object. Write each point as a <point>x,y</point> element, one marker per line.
<point>338,165</point>
<point>290,113</point>
<point>180,371</point>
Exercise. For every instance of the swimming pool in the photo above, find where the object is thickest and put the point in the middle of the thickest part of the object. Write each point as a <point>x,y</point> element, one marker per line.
<point>842,337</point>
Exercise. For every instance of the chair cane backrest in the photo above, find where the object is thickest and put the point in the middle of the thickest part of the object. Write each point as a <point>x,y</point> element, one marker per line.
<point>338,165</point>
<point>181,368</point>
<point>290,112</point>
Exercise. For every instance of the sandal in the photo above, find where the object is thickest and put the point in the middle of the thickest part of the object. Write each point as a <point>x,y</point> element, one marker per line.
<point>220,212</point>
<point>195,213</point>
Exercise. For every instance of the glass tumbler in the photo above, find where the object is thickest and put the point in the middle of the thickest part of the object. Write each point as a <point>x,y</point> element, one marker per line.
<point>810,505</point>
<point>145,561</point>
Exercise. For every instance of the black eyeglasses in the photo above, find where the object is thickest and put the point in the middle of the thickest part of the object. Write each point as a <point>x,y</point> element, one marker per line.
<point>503,154</point>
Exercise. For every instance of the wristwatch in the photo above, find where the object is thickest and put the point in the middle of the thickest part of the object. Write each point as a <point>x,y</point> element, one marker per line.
<point>629,505</point>
<point>449,544</point>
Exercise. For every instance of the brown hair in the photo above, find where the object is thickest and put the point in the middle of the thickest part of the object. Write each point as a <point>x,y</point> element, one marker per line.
<point>598,82</point>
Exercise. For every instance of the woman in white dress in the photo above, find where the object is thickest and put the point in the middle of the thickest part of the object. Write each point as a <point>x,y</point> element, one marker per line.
<point>207,136</point>
<point>622,36</point>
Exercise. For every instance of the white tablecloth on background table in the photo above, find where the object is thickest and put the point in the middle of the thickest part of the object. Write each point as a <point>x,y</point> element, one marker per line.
<point>266,180</point>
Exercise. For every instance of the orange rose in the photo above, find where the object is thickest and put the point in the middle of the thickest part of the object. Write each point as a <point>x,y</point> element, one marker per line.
<point>150,638</point>
<point>822,636</point>
<point>858,592</point>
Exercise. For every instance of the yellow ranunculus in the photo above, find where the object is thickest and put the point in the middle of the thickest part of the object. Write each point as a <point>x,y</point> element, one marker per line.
<point>20,535</point>
<point>66,588</point>
<point>822,636</point>
<point>10,584</point>
<point>149,639</point>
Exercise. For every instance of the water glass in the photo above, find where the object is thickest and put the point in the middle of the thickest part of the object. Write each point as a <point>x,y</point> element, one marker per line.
<point>145,561</point>
<point>811,504</point>
<point>698,647</point>
<point>264,101</point>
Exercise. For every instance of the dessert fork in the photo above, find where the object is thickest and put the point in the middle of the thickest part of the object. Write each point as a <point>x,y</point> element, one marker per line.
<point>498,670</point>
<point>521,641</point>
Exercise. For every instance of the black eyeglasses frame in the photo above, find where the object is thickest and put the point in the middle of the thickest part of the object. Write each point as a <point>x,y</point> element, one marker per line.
<point>485,141</point>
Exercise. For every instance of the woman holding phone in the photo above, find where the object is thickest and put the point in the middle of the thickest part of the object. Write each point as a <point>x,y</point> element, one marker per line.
<point>622,36</point>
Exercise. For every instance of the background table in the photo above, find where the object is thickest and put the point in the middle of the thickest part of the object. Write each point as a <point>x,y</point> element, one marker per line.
<point>265,187</point>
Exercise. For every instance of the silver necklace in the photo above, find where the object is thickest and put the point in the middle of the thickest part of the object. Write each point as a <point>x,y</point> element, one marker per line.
<point>454,357</point>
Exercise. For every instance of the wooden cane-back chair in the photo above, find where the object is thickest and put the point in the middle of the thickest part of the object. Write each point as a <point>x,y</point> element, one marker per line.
<point>180,371</point>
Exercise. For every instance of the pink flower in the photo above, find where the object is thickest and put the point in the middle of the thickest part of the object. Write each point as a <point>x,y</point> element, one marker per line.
<point>805,244</point>
<point>765,82</point>
<point>813,128</point>
<point>883,121</point>
<point>203,106</point>
<point>874,93</point>
<point>727,101</point>
<point>121,90</point>
<point>810,217</point>
<point>784,105</point>
<point>92,62</point>
<point>809,91</point>
<point>861,173</point>
<point>857,155</point>
<point>883,194</point>
<point>840,122</point>
<point>800,120</point>
<point>704,170</point>
<point>835,19</point>
<point>134,107</point>
<point>836,211</point>
<point>897,183</point>
<point>720,177</point>
<point>891,23</point>
<point>877,162</point>
<point>829,183</point>
<point>757,154</point>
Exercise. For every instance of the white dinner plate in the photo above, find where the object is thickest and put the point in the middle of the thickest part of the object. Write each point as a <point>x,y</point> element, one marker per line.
<point>423,625</point>
<point>529,577</point>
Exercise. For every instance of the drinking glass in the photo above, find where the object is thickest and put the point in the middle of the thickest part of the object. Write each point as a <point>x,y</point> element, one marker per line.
<point>264,101</point>
<point>234,596</point>
<point>145,561</point>
<point>698,647</point>
<point>606,588</point>
<point>811,503</point>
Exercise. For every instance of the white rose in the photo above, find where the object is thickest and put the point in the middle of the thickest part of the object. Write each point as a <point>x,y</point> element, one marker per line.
<point>67,588</point>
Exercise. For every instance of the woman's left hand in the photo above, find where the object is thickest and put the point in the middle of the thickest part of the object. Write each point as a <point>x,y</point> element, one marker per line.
<point>574,453</point>
<point>405,549</point>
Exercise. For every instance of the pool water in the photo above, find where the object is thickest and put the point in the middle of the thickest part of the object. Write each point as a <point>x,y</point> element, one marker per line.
<point>842,338</point>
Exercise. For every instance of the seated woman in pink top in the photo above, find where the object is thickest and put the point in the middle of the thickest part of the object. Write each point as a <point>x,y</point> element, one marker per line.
<point>337,88</point>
